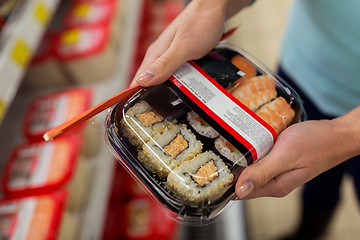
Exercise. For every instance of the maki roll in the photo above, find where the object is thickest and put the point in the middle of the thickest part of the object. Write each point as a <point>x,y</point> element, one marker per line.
<point>228,151</point>
<point>203,179</point>
<point>169,149</point>
<point>200,126</point>
<point>141,122</point>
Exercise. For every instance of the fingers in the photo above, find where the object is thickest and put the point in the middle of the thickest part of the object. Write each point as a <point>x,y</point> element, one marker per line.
<point>279,186</point>
<point>154,71</point>
<point>263,173</point>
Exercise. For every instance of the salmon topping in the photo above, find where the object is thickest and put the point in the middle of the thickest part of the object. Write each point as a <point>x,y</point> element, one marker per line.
<point>278,114</point>
<point>256,100</point>
<point>253,85</point>
<point>176,146</point>
<point>206,173</point>
<point>149,118</point>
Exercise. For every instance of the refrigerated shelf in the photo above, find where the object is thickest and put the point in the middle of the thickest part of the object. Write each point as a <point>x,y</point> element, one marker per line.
<point>96,210</point>
<point>19,48</point>
<point>19,39</point>
<point>17,99</point>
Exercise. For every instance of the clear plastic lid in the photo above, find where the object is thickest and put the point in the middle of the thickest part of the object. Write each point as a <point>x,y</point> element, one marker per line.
<point>187,140</point>
<point>137,221</point>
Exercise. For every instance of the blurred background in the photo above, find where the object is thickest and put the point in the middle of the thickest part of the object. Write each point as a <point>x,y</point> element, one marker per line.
<point>60,57</point>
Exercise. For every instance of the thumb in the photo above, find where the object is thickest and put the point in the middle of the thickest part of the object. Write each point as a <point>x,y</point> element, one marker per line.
<point>162,67</point>
<point>257,175</point>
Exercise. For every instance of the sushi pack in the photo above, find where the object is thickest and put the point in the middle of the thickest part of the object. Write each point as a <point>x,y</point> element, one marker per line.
<point>188,139</point>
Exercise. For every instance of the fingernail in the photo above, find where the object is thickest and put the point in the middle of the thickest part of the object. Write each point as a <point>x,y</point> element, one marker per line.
<point>245,189</point>
<point>145,76</point>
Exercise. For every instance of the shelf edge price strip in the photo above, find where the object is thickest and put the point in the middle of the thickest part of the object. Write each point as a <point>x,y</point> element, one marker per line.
<point>21,52</point>
<point>41,13</point>
<point>2,109</point>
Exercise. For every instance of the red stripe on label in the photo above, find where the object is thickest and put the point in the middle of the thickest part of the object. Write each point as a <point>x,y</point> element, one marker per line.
<point>214,116</point>
<point>235,100</point>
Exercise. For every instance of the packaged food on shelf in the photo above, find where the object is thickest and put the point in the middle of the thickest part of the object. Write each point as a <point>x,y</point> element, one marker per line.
<point>37,217</point>
<point>45,70</point>
<point>85,13</point>
<point>132,188</point>
<point>87,53</point>
<point>50,110</point>
<point>162,13</point>
<point>188,139</point>
<point>139,221</point>
<point>44,167</point>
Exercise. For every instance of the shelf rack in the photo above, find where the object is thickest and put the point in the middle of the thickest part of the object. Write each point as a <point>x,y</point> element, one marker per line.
<point>19,39</point>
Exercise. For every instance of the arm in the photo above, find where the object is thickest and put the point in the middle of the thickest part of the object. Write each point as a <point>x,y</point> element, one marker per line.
<point>190,36</point>
<point>302,152</point>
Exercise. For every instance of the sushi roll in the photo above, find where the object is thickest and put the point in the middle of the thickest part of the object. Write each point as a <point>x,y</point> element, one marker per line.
<point>141,122</point>
<point>200,126</point>
<point>228,151</point>
<point>169,149</point>
<point>203,179</point>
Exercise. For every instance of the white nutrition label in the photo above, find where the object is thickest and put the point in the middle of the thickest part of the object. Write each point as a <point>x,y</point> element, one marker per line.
<point>213,99</point>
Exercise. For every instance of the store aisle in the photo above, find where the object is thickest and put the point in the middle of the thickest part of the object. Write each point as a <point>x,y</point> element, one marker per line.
<point>260,32</point>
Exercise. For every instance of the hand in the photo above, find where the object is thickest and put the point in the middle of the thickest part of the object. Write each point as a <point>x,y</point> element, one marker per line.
<point>301,152</point>
<point>190,36</point>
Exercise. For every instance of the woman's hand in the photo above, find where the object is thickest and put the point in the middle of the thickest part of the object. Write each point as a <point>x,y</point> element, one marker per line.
<point>301,152</point>
<point>190,36</point>
<point>193,34</point>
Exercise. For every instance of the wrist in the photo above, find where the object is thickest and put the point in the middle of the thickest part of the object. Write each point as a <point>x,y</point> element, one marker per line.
<point>347,132</point>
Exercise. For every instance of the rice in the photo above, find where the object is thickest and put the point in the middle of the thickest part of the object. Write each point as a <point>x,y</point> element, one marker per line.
<point>141,122</point>
<point>200,126</point>
<point>230,152</point>
<point>167,150</point>
<point>203,179</point>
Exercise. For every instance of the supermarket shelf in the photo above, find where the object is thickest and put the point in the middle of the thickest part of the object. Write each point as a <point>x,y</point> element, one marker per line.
<point>95,215</point>
<point>20,38</point>
<point>231,225</point>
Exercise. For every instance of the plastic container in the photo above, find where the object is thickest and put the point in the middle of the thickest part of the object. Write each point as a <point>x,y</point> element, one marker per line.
<point>50,110</point>
<point>44,167</point>
<point>87,47</point>
<point>140,218</point>
<point>89,12</point>
<point>188,139</point>
<point>45,70</point>
<point>37,217</point>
